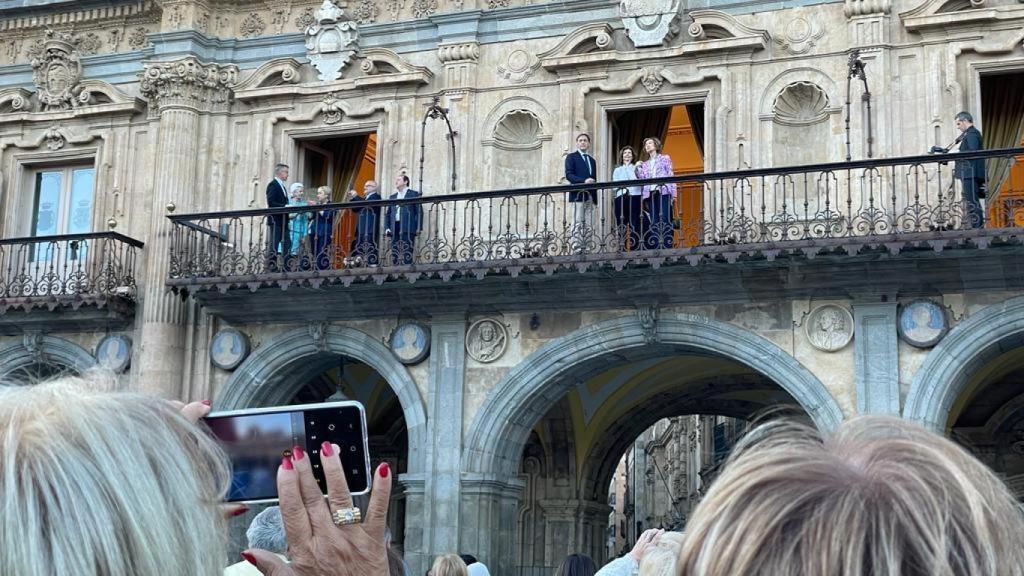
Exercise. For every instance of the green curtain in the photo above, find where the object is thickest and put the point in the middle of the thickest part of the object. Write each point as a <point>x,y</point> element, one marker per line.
<point>1002,112</point>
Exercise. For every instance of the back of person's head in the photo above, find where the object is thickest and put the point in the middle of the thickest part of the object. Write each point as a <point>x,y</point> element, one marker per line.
<point>468,558</point>
<point>478,569</point>
<point>661,559</point>
<point>266,531</point>
<point>577,565</point>
<point>396,567</point>
<point>878,497</point>
<point>94,482</point>
<point>448,565</point>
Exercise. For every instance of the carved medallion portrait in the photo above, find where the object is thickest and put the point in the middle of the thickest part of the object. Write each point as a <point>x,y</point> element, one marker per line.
<point>829,328</point>
<point>922,323</point>
<point>228,349</point>
<point>410,342</point>
<point>114,353</point>
<point>486,340</point>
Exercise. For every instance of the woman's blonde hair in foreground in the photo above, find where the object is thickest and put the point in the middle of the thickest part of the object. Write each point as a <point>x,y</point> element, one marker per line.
<point>448,565</point>
<point>94,482</point>
<point>660,560</point>
<point>878,497</point>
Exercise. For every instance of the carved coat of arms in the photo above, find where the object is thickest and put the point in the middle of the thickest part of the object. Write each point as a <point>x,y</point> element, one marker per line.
<point>56,72</point>
<point>649,22</point>
<point>331,41</point>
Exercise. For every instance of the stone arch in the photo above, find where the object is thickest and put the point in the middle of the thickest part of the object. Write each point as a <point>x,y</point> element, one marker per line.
<point>35,349</point>
<point>800,74</point>
<point>500,429</point>
<point>968,347</point>
<point>276,371</point>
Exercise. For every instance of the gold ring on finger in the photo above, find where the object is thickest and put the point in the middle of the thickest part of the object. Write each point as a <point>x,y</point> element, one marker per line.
<point>346,516</point>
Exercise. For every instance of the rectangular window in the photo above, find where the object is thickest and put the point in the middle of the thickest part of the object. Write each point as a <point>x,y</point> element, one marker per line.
<point>62,205</point>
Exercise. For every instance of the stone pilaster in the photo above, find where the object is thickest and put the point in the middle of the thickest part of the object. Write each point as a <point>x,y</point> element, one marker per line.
<point>180,94</point>
<point>490,520</point>
<point>876,358</point>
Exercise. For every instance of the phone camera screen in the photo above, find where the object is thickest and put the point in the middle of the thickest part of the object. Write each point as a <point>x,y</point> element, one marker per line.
<point>257,442</point>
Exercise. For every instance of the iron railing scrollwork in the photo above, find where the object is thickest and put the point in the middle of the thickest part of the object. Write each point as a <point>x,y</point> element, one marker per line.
<point>857,201</point>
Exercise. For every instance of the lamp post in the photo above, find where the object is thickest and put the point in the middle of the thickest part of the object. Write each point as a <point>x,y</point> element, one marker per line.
<point>434,112</point>
<point>855,70</point>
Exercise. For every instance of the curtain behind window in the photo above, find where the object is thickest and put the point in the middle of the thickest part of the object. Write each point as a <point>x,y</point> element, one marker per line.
<point>1002,112</point>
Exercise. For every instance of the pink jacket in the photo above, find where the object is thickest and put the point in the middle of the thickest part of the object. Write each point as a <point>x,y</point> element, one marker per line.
<point>662,168</point>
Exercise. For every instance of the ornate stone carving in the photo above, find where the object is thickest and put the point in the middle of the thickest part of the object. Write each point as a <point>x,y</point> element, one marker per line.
<point>305,20</point>
<point>114,38</point>
<point>174,19</point>
<point>188,83</point>
<point>494,4</point>
<point>57,72</point>
<point>866,7</point>
<point>331,41</point>
<point>34,50</point>
<point>137,39</point>
<point>252,25</point>
<point>649,22</point>
<point>459,52</point>
<point>89,43</point>
<point>695,31</point>
<point>366,11</point>
<point>12,48</point>
<point>648,316</point>
<point>518,129</point>
<point>33,342</point>
<point>331,109</point>
<point>279,18</point>
<point>486,340</point>
<point>54,139</point>
<point>318,332</point>
<point>800,35</point>
<point>651,79</point>
<point>801,103</point>
<point>394,7</point>
<point>829,328</point>
<point>423,8</point>
<point>519,65</point>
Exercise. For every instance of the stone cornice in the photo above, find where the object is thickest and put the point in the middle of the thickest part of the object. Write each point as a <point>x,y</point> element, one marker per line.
<point>86,14</point>
<point>188,83</point>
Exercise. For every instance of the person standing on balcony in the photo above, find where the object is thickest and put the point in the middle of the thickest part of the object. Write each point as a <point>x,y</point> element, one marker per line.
<point>627,200</point>
<point>321,230</point>
<point>581,168</point>
<point>298,222</point>
<point>970,173</point>
<point>367,223</point>
<point>403,222</point>
<point>278,237</point>
<point>657,198</point>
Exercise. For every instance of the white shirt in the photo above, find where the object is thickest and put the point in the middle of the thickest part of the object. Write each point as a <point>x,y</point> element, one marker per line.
<point>281,182</point>
<point>401,196</point>
<point>626,172</point>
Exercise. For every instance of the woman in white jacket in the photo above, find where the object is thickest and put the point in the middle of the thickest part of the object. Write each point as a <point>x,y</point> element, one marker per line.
<point>654,554</point>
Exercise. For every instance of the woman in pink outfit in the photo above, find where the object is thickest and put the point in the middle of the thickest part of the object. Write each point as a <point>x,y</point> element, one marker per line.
<point>657,199</point>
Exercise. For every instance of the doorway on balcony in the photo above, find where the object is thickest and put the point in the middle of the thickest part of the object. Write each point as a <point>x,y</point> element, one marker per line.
<point>1002,126</point>
<point>680,128</point>
<point>344,163</point>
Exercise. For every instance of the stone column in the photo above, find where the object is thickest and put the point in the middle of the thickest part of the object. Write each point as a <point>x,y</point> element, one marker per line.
<point>490,520</point>
<point>180,94</point>
<point>876,358</point>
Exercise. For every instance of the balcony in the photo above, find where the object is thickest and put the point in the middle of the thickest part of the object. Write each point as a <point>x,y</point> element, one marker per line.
<point>730,235</point>
<point>75,282</point>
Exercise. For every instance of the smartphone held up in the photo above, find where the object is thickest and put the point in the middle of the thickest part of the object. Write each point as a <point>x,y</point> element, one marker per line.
<point>257,439</point>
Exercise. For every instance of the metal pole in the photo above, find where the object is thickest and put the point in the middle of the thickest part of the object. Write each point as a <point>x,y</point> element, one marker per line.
<point>435,111</point>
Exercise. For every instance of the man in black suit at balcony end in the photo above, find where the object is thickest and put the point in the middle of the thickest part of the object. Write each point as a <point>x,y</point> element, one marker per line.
<point>278,240</point>
<point>971,173</point>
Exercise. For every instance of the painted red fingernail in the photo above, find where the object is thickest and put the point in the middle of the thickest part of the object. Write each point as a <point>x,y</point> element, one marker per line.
<point>326,449</point>
<point>384,470</point>
<point>240,511</point>
<point>298,453</point>
<point>249,558</point>
<point>286,463</point>
<point>207,402</point>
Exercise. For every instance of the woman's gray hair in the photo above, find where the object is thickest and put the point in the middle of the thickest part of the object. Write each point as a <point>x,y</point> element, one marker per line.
<point>94,482</point>
<point>880,496</point>
<point>295,186</point>
<point>267,531</point>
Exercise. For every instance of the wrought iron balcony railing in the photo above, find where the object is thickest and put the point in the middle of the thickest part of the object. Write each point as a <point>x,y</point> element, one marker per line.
<point>69,268</point>
<point>845,204</point>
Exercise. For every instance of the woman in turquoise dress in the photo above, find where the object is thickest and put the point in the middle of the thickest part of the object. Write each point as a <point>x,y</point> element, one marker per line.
<point>298,226</point>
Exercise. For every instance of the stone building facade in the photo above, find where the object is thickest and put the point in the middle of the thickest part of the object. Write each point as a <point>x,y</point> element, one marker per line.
<point>505,393</point>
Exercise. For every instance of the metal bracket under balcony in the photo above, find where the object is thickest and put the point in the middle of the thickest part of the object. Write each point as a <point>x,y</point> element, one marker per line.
<point>68,283</point>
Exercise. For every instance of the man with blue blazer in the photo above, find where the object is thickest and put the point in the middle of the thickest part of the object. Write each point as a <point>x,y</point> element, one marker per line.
<point>581,168</point>
<point>367,225</point>
<point>971,173</point>
<point>403,222</point>
<point>278,239</point>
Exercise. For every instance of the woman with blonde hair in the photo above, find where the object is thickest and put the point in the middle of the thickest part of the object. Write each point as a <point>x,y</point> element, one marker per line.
<point>657,198</point>
<point>880,496</point>
<point>448,565</point>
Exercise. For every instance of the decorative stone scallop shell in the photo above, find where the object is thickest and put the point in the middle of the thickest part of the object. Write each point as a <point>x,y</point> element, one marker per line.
<point>801,103</point>
<point>518,128</point>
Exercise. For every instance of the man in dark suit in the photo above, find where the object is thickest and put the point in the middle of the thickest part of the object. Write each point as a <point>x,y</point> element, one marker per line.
<point>970,173</point>
<point>279,241</point>
<point>367,225</point>
<point>581,168</point>
<point>403,222</point>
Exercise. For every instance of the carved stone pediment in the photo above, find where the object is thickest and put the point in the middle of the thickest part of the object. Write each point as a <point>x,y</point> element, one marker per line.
<point>383,62</point>
<point>713,31</point>
<point>15,100</point>
<point>956,13</point>
<point>649,22</point>
<point>272,73</point>
<point>331,41</point>
<point>57,72</point>
<point>586,43</point>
